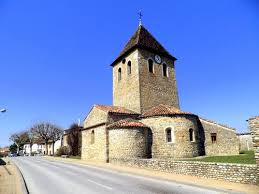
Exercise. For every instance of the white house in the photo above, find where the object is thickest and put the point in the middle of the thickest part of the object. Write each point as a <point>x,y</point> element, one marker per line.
<point>39,148</point>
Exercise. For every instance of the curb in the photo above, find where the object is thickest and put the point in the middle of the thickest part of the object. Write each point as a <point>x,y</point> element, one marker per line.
<point>22,180</point>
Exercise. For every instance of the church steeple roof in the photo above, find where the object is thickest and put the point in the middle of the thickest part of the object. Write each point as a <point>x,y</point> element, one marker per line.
<point>143,39</point>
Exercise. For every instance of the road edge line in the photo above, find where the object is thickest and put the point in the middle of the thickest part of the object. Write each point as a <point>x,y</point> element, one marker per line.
<point>25,189</point>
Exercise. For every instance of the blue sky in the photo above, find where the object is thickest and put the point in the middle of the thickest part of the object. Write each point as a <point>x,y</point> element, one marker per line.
<point>55,56</point>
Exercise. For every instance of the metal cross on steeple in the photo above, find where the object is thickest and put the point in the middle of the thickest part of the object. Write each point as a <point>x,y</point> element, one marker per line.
<point>140,17</point>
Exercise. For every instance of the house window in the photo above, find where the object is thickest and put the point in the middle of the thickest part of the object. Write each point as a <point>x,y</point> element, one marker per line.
<point>170,138</point>
<point>150,66</point>
<point>191,135</point>
<point>92,137</point>
<point>129,67</point>
<point>165,70</point>
<point>168,135</point>
<point>124,61</point>
<point>213,137</point>
<point>119,74</point>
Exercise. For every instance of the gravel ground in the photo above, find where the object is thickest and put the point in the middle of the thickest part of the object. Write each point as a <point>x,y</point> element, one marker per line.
<point>9,179</point>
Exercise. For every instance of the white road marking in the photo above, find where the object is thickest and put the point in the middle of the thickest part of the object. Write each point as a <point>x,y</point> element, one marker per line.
<point>99,184</point>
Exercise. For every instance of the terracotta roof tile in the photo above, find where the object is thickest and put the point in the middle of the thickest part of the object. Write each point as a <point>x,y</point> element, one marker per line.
<point>143,39</point>
<point>162,109</point>
<point>126,123</point>
<point>115,109</point>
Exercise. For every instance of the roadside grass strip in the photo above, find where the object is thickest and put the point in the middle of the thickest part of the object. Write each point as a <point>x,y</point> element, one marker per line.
<point>245,157</point>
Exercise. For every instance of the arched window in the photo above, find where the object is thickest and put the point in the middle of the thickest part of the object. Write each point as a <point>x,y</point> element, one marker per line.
<point>119,74</point>
<point>150,66</point>
<point>129,67</point>
<point>165,74</point>
<point>169,135</point>
<point>92,137</point>
<point>191,135</point>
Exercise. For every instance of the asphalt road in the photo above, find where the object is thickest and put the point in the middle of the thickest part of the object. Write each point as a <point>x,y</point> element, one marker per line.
<point>55,177</point>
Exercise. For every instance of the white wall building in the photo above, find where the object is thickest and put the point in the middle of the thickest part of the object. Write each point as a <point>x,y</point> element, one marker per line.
<point>40,148</point>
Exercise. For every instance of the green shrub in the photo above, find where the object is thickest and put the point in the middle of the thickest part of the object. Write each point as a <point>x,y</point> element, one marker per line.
<point>64,150</point>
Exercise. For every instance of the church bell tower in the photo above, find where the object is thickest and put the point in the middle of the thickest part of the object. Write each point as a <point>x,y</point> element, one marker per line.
<point>144,74</point>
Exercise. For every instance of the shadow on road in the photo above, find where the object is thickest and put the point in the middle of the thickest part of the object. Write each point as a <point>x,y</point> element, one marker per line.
<point>2,162</point>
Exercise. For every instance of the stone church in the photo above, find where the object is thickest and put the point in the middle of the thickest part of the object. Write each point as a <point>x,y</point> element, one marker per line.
<point>145,120</point>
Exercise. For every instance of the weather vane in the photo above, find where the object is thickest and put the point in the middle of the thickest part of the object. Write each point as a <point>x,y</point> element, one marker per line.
<point>140,17</point>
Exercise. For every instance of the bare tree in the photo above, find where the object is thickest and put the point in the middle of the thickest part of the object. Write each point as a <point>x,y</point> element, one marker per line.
<point>19,139</point>
<point>47,132</point>
<point>55,135</point>
<point>43,131</point>
<point>73,139</point>
<point>31,138</point>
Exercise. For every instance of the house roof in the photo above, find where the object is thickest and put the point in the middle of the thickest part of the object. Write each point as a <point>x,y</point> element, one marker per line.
<point>94,126</point>
<point>255,117</point>
<point>245,133</point>
<point>68,131</point>
<point>39,141</point>
<point>163,110</point>
<point>115,109</point>
<point>142,38</point>
<point>213,122</point>
<point>5,149</point>
<point>126,123</point>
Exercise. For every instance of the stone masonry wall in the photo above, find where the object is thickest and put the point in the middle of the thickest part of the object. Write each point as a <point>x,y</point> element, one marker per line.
<point>126,92</point>
<point>98,150</point>
<point>94,151</point>
<point>96,116</point>
<point>142,90</point>
<point>226,143</point>
<point>65,143</point>
<point>127,143</point>
<point>181,146</point>
<point>254,129</point>
<point>238,173</point>
<point>113,117</point>
<point>155,88</point>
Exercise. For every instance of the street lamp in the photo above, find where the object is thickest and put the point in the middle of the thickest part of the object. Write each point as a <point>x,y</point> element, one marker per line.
<point>2,110</point>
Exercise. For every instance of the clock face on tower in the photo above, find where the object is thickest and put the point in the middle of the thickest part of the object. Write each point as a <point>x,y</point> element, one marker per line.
<point>158,59</point>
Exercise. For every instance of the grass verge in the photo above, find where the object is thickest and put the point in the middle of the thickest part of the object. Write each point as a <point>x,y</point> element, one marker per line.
<point>75,157</point>
<point>245,157</point>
